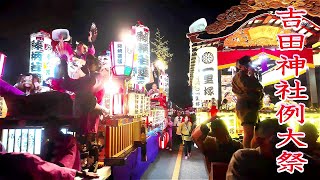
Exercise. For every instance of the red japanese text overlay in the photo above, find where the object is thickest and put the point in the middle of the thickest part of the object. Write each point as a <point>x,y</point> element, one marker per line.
<point>289,110</point>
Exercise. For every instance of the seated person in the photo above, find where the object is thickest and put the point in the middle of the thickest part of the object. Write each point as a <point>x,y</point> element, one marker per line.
<point>2,149</point>
<point>228,103</point>
<point>217,146</point>
<point>154,91</point>
<point>31,167</point>
<point>61,149</point>
<point>267,104</point>
<point>311,138</point>
<point>260,163</point>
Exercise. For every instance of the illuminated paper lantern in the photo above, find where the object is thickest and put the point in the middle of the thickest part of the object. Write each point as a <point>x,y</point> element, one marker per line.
<point>132,104</point>
<point>164,84</point>
<point>147,105</point>
<point>196,101</point>
<point>208,66</point>
<point>2,61</point>
<point>141,72</point>
<point>121,59</point>
<point>41,55</point>
<point>117,104</point>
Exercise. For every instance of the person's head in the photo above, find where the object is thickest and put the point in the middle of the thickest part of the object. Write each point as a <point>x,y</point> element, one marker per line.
<point>154,86</point>
<point>81,48</point>
<point>52,127</point>
<point>186,119</point>
<point>187,113</point>
<point>265,137</point>
<point>219,129</point>
<point>266,98</point>
<point>311,133</point>
<point>228,96</point>
<point>178,113</point>
<point>244,63</point>
<point>92,63</point>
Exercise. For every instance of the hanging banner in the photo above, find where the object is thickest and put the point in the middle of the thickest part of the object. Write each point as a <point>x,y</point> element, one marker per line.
<point>208,66</point>
<point>196,87</point>
<point>40,55</point>
<point>142,65</point>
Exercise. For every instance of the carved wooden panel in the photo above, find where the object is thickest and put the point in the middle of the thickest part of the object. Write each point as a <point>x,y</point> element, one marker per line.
<point>240,12</point>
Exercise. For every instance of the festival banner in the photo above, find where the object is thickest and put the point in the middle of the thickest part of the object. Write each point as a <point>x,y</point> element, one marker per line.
<point>291,161</point>
<point>208,73</point>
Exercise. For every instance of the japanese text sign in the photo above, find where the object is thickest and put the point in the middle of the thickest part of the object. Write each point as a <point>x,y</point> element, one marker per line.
<point>290,161</point>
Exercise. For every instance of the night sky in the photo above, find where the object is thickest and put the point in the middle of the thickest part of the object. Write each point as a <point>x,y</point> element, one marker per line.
<point>112,17</point>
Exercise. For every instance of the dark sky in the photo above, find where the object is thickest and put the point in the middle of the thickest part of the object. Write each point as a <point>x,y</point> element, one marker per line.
<point>19,19</point>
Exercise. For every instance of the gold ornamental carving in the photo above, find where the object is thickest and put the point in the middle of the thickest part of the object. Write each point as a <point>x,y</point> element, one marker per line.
<point>240,12</point>
<point>253,37</point>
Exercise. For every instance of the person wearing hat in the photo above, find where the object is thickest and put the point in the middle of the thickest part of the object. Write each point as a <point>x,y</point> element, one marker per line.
<point>61,149</point>
<point>249,94</point>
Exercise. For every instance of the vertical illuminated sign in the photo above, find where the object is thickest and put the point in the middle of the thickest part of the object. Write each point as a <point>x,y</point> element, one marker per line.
<point>41,55</point>
<point>2,61</point>
<point>291,161</point>
<point>142,71</point>
<point>208,67</point>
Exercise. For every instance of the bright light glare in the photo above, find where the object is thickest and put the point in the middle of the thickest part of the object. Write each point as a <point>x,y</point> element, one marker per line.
<point>111,87</point>
<point>128,39</point>
<point>161,65</point>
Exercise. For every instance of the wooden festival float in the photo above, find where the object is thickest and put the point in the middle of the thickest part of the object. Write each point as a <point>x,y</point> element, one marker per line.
<point>125,149</point>
<point>251,28</point>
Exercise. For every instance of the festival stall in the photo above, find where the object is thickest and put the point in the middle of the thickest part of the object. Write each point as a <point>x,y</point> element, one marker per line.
<point>254,28</point>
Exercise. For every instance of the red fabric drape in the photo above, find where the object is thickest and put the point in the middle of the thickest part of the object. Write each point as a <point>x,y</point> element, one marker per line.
<point>229,57</point>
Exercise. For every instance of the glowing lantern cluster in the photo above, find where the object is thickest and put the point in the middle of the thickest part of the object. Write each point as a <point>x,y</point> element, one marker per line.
<point>40,55</point>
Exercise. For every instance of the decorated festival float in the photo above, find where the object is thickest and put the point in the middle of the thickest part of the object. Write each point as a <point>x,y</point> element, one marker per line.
<point>109,117</point>
<point>258,29</point>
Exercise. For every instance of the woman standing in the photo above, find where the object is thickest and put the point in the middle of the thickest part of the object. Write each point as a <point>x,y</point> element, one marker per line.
<point>249,94</point>
<point>186,130</point>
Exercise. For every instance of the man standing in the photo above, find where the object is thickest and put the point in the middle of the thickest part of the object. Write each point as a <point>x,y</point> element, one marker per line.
<point>177,121</point>
<point>249,94</point>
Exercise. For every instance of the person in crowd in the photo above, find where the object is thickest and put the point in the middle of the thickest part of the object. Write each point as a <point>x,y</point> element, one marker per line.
<point>61,149</point>
<point>267,104</point>
<point>249,94</point>
<point>31,167</point>
<point>312,135</point>
<point>227,103</point>
<point>82,50</point>
<point>177,119</point>
<point>154,90</point>
<point>169,130</point>
<point>186,129</point>
<point>2,149</point>
<point>89,92</point>
<point>217,145</point>
<point>176,123</point>
<point>260,162</point>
